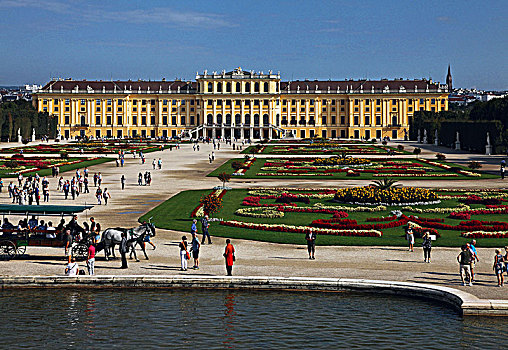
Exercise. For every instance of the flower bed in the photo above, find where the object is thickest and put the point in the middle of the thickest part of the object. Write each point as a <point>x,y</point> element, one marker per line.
<point>301,229</point>
<point>391,196</point>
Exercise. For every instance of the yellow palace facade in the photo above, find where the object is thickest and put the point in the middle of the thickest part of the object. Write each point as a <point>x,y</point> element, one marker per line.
<point>239,104</point>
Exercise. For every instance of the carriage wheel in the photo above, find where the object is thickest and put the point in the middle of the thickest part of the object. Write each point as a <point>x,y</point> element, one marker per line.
<point>80,251</point>
<point>7,250</point>
<point>21,251</point>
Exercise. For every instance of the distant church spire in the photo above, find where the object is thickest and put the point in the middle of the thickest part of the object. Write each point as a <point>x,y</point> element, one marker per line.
<point>449,79</point>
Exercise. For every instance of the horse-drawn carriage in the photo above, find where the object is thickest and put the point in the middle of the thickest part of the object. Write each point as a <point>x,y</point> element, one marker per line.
<point>14,241</point>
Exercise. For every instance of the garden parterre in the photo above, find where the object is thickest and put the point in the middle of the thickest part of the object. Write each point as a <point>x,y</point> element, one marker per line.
<point>283,215</point>
<point>99,147</point>
<point>337,168</point>
<point>324,148</point>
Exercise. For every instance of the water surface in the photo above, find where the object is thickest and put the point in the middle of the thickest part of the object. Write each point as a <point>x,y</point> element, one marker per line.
<point>188,319</point>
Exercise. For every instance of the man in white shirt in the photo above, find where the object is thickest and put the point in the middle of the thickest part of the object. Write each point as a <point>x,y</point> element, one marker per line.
<point>72,268</point>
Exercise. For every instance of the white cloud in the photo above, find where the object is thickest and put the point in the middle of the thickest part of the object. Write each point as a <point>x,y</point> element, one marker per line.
<point>159,15</point>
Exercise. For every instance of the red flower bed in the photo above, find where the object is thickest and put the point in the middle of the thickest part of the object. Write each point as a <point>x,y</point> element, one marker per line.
<point>482,235</point>
<point>478,200</point>
<point>388,218</point>
<point>296,230</point>
<point>346,224</point>
<point>459,215</point>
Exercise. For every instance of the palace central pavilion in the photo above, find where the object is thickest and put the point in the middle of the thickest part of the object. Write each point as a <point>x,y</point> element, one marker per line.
<point>239,104</point>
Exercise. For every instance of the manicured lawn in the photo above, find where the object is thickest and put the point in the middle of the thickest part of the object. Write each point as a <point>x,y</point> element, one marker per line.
<point>87,162</point>
<point>298,168</point>
<point>175,214</point>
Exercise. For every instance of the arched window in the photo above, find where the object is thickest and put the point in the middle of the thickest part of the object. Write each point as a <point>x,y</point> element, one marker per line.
<point>209,119</point>
<point>219,87</point>
<point>256,87</point>
<point>256,119</point>
<point>238,87</point>
<point>247,119</point>
<point>266,119</point>
<point>210,87</point>
<point>247,87</point>
<point>394,120</point>
<point>238,119</point>
<point>265,89</point>
<point>228,119</point>
<point>228,87</point>
<point>219,119</point>
<point>83,120</point>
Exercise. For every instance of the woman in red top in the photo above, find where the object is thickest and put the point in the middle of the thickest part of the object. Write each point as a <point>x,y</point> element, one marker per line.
<point>229,254</point>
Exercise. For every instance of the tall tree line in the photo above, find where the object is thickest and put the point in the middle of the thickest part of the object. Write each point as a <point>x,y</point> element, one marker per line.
<point>23,115</point>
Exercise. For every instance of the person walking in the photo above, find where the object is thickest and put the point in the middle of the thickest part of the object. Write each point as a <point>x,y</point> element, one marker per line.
<point>184,254</point>
<point>140,179</point>
<point>229,255</point>
<point>85,182</point>
<point>90,260</point>
<point>464,259</point>
<point>98,195</point>
<point>99,179</point>
<point>474,256</point>
<point>498,267</point>
<point>123,250</point>
<point>153,164</point>
<point>427,247</point>
<point>204,227</point>
<point>194,228</point>
<point>503,170</point>
<point>95,179</point>
<point>310,236</point>
<point>195,250</point>
<point>106,196</point>
<point>122,181</point>
<point>159,163</point>
<point>410,237</point>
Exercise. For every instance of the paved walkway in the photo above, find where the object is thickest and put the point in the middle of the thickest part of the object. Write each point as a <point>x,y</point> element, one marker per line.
<point>185,169</point>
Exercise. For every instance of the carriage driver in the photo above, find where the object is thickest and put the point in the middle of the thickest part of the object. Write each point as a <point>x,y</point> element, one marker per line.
<point>74,227</point>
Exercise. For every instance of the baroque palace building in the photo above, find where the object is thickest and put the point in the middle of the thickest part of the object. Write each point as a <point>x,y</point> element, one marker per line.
<point>240,104</point>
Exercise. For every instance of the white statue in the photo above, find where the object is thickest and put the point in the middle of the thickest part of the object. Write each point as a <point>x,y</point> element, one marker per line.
<point>424,135</point>
<point>457,142</point>
<point>436,138</point>
<point>58,135</point>
<point>33,135</point>
<point>20,140</point>
<point>488,147</point>
<point>419,136</point>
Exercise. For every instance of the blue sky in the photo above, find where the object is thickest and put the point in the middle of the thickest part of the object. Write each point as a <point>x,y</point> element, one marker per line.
<point>40,39</point>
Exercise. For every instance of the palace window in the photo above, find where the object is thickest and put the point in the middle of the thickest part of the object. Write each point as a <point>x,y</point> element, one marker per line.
<point>192,120</point>
<point>120,102</point>
<point>134,102</point>
<point>97,109</point>
<point>256,87</point>
<point>210,87</point>
<point>284,109</point>
<point>356,109</point>
<point>311,102</point>
<point>109,120</point>
<point>67,119</point>
<point>165,120</point>
<point>356,102</point>
<point>238,87</point>
<point>228,102</point>
<point>135,120</point>
<point>119,109</point>
<point>173,120</point>
<point>143,102</point>
<point>173,109</point>
<point>109,109</point>
<point>164,109</point>
<point>192,102</point>
<point>219,102</point>
<point>378,109</point>
<point>367,120</point>
<point>422,101</point>
<point>247,87</point>
<point>82,109</point>
<point>152,119</point>
<point>433,101</point>
<point>247,102</point>
<point>284,102</point>
<point>342,119</point>
<point>265,102</point>
<point>97,102</point>
<point>67,109</point>
<point>334,120</point>
<point>182,103</point>
<point>293,109</point>
<point>219,87</point>
<point>143,109</point>
<point>174,102</point>
<point>323,120</point>
<point>56,108</point>
<point>367,102</point>
<point>311,109</point>
<point>228,87</point>
<point>134,109</point>
<point>356,120</point>
<point>152,102</point>
<point>342,102</point>
<point>192,109</point>
<point>67,102</point>
<point>265,87</point>
<point>98,119</point>
<point>378,120</point>
<point>82,101</point>
<point>143,120</point>
<point>256,102</point>
<point>109,102</point>
<point>119,120</point>
<point>324,109</point>
<point>302,109</point>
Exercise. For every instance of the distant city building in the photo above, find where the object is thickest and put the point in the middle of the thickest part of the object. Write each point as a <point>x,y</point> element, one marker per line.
<point>34,88</point>
<point>240,104</point>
